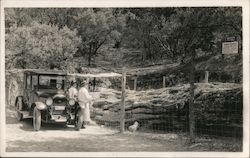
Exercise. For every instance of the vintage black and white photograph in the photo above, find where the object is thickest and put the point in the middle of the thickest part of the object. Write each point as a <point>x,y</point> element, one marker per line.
<point>124,79</point>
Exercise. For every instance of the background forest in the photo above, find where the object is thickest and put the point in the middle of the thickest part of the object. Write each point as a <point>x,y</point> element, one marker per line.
<point>70,38</point>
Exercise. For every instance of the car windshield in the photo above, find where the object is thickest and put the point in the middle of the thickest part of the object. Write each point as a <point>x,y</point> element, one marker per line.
<point>51,82</point>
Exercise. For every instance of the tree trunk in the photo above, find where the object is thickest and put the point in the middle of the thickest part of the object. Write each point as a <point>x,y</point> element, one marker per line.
<point>89,60</point>
<point>94,83</point>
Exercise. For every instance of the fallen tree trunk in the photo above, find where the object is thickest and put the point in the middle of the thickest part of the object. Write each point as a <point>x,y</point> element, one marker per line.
<point>215,103</point>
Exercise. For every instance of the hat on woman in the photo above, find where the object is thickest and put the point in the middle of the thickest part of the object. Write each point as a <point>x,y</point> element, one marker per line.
<point>83,83</point>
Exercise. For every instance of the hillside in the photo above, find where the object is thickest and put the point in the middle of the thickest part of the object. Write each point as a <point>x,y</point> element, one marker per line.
<point>111,59</point>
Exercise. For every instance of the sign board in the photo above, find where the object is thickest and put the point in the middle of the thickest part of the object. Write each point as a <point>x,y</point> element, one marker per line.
<point>231,39</point>
<point>230,47</point>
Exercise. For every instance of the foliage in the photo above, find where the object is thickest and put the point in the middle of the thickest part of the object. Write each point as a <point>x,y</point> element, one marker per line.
<point>158,33</point>
<point>196,28</point>
<point>97,27</point>
<point>176,33</point>
<point>40,46</point>
<point>141,24</point>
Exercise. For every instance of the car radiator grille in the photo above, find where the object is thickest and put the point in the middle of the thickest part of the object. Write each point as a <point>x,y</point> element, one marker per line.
<point>57,111</point>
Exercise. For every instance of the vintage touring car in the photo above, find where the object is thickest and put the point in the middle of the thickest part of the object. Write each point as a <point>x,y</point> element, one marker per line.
<point>44,99</point>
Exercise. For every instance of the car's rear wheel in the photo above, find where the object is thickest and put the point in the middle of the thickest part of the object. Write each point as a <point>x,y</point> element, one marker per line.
<point>79,120</point>
<point>18,108</point>
<point>36,119</point>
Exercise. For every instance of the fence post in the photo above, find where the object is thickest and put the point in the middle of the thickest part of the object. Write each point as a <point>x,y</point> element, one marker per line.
<point>122,123</point>
<point>206,76</point>
<point>191,102</point>
<point>135,83</point>
<point>164,82</point>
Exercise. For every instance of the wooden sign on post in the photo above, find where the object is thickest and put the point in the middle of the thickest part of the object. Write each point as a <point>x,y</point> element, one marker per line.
<point>230,47</point>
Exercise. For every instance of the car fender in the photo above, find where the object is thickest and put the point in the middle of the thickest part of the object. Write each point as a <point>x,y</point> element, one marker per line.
<point>40,105</point>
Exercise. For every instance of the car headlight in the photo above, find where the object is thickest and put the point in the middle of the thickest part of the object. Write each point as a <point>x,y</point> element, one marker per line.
<point>72,102</point>
<point>49,101</point>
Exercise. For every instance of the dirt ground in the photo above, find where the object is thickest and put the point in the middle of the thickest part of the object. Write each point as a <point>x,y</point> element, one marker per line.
<point>20,137</point>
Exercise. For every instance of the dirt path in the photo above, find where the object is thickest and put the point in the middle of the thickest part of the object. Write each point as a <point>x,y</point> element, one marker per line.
<point>56,137</point>
<point>20,137</point>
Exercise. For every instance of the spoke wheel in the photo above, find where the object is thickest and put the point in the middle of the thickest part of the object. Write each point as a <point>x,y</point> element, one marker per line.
<point>18,108</point>
<point>36,119</point>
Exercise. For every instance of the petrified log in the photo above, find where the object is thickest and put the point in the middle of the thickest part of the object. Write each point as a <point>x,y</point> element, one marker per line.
<point>100,104</point>
<point>97,112</point>
<point>215,103</point>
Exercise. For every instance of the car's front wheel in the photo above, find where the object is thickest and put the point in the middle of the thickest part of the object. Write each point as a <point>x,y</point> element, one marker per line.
<point>36,119</point>
<point>79,120</point>
<point>18,108</point>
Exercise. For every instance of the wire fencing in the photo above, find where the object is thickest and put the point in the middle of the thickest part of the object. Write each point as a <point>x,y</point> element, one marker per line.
<point>217,113</point>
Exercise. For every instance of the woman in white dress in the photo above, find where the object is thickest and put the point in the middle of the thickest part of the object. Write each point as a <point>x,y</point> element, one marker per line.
<point>84,100</point>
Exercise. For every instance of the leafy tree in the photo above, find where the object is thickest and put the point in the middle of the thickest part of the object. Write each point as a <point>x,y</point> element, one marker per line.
<point>40,46</point>
<point>97,26</point>
<point>50,16</point>
<point>190,29</point>
<point>171,32</point>
<point>141,25</point>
